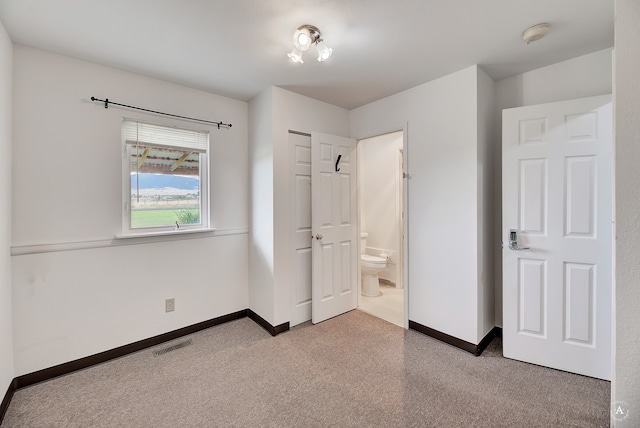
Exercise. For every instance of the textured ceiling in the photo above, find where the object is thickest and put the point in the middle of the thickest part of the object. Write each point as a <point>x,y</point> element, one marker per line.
<point>237,48</point>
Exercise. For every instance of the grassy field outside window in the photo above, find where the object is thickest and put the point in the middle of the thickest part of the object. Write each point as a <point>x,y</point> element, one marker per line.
<point>163,217</point>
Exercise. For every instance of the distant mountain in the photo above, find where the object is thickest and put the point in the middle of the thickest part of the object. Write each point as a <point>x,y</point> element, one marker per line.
<point>159,181</point>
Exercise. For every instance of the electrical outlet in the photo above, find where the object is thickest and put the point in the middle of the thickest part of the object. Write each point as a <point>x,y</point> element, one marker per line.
<point>170,305</point>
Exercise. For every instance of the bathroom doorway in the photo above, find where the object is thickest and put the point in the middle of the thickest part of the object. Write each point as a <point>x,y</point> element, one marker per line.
<point>381,220</point>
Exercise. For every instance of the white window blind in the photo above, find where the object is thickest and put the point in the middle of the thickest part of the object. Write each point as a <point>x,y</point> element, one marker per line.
<point>148,134</point>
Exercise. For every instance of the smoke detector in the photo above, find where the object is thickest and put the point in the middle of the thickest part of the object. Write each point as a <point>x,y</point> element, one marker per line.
<point>534,33</point>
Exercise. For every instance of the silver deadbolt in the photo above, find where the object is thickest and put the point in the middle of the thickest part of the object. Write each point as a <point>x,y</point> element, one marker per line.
<point>513,241</point>
<point>318,236</point>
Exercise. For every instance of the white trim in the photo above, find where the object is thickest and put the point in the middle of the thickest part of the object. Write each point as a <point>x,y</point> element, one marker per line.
<point>22,250</point>
<point>399,276</point>
<point>164,233</point>
<point>405,221</point>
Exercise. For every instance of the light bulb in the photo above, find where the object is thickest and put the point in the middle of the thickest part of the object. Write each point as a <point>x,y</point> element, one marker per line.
<point>303,39</point>
<point>296,56</point>
<point>324,52</point>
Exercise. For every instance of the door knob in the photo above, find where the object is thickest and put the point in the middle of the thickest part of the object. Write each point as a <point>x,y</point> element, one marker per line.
<point>318,236</point>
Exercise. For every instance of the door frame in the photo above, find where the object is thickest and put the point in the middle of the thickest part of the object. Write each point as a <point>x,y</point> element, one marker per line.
<point>403,255</point>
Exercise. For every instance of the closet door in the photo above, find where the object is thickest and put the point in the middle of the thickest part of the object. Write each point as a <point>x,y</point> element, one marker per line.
<point>300,145</point>
<point>334,226</point>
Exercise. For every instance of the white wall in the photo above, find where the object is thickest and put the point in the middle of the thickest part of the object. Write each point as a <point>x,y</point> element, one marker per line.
<point>380,197</point>
<point>626,379</point>
<point>66,195</point>
<point>6,335</point>
<point>580,77</point>
<point>442,161</point>
<point>488,145</point>
<point>261,237</point>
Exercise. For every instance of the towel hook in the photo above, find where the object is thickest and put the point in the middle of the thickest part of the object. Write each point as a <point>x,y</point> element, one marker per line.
<point>337,162</point>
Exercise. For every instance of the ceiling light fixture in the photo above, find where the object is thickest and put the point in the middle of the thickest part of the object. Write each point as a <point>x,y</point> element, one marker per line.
<point>534,33</point>
<point>303,38</point>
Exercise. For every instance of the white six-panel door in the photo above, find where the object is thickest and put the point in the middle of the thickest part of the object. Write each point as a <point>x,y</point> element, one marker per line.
<point>557,196</point>
<point>301,292</point>
<point>334,226</point>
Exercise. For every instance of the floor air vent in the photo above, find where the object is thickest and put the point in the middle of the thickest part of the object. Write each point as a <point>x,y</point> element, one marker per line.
<point>172,348</point>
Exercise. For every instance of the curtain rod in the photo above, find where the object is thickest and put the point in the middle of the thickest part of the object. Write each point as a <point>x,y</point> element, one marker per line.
<point>107,102</point>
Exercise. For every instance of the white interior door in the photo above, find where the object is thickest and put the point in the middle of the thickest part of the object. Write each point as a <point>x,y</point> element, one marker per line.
<point>334,226</point>
<point>301,292</point>
<point>557,197</point>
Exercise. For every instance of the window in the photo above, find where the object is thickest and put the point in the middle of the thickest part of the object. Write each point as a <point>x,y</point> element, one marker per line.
<point>165,178</point>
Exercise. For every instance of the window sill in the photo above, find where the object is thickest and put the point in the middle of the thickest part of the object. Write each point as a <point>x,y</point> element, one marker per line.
<point>165,233</point>
<point>26,249</point>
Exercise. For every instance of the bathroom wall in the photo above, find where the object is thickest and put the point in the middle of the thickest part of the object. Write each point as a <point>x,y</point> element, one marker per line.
<point>76,290</point>
<point>6,333</point>
<point>379,193</point>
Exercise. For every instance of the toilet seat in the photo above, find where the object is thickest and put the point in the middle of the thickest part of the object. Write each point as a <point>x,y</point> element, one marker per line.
<point>372,260</point>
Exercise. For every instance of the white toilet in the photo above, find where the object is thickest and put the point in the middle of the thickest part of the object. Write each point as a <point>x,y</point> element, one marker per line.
<point>370,267</point>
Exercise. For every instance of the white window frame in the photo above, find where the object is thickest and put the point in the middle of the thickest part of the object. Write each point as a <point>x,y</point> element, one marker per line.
<point>145,135</point>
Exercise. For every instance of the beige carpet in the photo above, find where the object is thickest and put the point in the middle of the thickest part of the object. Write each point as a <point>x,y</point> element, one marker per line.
<point>351,371</point>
